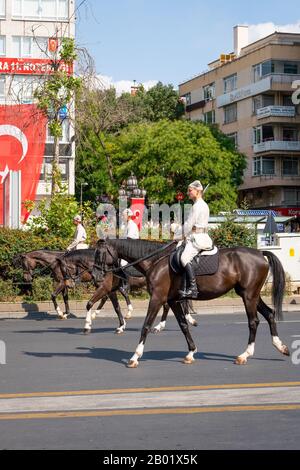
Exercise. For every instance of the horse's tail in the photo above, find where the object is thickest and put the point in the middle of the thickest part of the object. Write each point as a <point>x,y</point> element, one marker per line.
<point>278,283</point>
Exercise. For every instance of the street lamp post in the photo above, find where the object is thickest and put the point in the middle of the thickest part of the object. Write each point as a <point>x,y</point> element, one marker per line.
<point>136,196</point>
<point>81,191</point>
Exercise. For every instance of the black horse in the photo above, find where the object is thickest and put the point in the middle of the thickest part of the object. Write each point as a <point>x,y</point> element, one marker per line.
<point>243,269</point>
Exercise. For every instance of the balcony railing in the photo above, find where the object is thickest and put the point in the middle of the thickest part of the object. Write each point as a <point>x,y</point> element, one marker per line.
<point>280,145</point>
<point>284,78</point>
<point>278,111</point>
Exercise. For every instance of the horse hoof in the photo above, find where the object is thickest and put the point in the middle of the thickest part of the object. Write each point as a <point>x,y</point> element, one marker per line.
<point>87,331</point>
<point>94,316</point>
<point>286,351</point>
<point>63,317</point>
<point>128,316</point>
<point>240,361</point>
<point>156,331</point>
<point>132,364</point>
<point>119,331</point>
<point>188,360</point>
<point>194,323</point>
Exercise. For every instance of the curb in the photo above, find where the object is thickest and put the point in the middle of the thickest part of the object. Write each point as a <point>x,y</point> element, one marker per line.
<point>16,310</point>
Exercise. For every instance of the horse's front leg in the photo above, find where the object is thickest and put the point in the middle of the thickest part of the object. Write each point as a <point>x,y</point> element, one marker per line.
<point>66,301</point>
<point>60,288</point>
<point>114,300</point>
<point>101,292</point>
<point>153,309</point>
<point>100,306</point>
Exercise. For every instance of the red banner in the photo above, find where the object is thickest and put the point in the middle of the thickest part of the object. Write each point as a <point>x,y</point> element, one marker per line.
<point>288,211</point>
<point>137,207</point>
<point>31,66</point>
<point>22,145</point>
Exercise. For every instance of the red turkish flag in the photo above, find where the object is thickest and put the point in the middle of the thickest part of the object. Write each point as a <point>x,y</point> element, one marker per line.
<point>22,146</point>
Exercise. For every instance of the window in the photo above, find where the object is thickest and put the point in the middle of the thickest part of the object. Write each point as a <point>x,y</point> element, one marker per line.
<point>263,166</point>
<point>268,100</point>
<point>2,46</point>
<point>292,196</point>
<point>267,67</point>
<point>65,133</point>
<point>256,103</point>
<point>289,134</point>
<point>210,118</point>
<point>230,113</point>
<point>290,67</point>
<point>188,99</point>
<point>46,171</point>
<point>21,88</point>
<point>257,135</point>
<point>209,92</point>
<point>2,7</point>
<point>234,138</point>
<point>43,9</point>
<point>256,72</point>
<point>287,100</point>
<point>24,46</point>
<point>290,166</point>
<point>230,83</point>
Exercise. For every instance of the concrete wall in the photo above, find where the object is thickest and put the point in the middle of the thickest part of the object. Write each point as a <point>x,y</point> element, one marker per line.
<point>287,249</point>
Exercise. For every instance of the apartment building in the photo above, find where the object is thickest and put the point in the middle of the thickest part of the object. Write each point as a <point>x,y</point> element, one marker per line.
<point>249,93</point>
<point>28,29</point>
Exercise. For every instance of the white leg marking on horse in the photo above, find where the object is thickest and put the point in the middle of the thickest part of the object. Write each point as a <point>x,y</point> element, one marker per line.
<point>134,360</point>
<point>88,320</point>
<point>129,312</point>
<point>93,316</point>
<point>242,358</point>
<point>121,329</point>
<point>60,313</point>
<point>280,346</point>
<point>189,359</point>
<point>190,319</point>
<point>161,326</point>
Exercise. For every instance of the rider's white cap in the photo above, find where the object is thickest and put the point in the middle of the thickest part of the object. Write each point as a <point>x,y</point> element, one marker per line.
<point>196,185</point>
<point>77,217</point>
<point>128,212</point>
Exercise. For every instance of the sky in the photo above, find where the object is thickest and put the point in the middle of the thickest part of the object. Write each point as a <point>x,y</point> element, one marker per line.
<point>171,40</point>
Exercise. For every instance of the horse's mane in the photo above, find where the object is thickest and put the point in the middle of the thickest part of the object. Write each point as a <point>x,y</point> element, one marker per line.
<point>136,249</point>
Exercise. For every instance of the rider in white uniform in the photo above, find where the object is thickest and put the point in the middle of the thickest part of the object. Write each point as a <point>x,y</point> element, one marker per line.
<point>79,241</point>
<point>195,230</point>
<point>130,229</point>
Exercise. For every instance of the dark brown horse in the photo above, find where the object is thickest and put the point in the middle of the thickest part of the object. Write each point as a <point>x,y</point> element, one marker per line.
<point>79,261</point>
<point>243,269</point>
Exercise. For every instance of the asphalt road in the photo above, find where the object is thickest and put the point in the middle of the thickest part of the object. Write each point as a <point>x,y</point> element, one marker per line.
<point>60,389</point>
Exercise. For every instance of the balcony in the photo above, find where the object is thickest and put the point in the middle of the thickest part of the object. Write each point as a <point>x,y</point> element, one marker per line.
<point>277,145</point>
<point>284,78</point>
<point>276,111</point>
<point>198,105</point>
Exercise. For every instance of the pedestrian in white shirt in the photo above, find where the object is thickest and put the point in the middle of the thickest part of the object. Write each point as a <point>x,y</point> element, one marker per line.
<point>195,230</point>
<point>79,241</point>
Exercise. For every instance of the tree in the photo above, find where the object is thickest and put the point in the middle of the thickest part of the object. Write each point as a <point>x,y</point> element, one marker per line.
<point>166,155</point>
<point>55,92</point>
<point>161,102</point>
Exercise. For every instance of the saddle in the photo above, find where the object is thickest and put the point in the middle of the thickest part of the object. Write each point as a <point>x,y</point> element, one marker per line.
<point>205,263</point>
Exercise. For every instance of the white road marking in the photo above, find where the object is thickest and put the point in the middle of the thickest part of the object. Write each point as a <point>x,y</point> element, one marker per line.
<point>149,400</point>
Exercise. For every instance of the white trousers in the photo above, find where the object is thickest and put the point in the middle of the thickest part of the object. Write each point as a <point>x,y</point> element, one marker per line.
<point>195,243</point>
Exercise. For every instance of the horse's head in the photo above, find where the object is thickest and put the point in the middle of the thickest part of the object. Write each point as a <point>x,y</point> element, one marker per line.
<point>106,257</point>
<point>26,264</point>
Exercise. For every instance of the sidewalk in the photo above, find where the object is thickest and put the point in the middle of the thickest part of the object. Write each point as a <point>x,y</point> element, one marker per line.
<point>218,306</point>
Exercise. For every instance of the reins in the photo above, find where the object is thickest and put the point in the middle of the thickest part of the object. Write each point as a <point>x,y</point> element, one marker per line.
<point>144,258</point>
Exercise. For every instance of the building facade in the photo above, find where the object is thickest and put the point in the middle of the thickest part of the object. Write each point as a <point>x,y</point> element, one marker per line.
<point>26,29</point>
<point>249,94</point>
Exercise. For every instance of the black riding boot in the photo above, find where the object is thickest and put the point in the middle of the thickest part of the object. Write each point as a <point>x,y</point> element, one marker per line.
<point>192,290</point>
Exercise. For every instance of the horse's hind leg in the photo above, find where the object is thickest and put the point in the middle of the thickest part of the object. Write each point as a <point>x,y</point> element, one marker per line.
<point>100,306</point>
<point>268,314</point>
<point>253,322</point>
<point>60,288</point>
<point>66,301</point>
<point>179,313</point>
<point>124,291</point>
